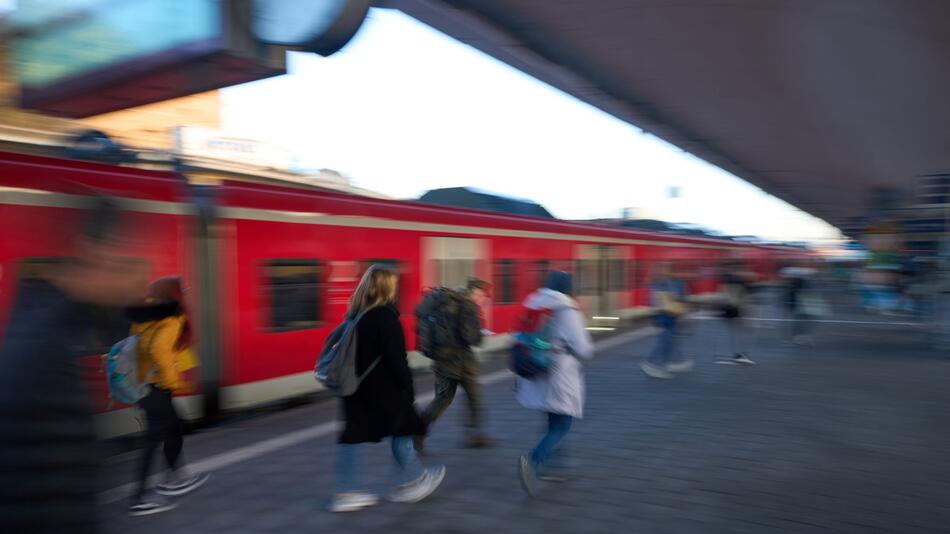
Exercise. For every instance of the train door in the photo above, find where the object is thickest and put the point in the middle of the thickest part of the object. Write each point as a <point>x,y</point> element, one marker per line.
<point>451,261</point>
<point>600,274</point>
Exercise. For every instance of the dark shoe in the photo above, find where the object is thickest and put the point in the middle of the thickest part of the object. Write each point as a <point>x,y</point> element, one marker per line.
<point>478,441</point>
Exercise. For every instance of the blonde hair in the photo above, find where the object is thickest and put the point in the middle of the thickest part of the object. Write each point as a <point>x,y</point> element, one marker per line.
<point>376,288</point>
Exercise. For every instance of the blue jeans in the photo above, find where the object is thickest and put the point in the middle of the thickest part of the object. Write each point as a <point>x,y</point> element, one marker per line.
<point>558,427</point>
<point>408,467</point>
<point>665,347</point>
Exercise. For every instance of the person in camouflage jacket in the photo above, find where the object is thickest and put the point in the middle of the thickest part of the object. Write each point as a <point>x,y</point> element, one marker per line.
<point>454,362</point>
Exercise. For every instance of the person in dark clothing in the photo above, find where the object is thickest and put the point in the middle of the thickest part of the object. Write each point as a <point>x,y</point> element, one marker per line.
<point>797,281</point>
<point>457,365</point>
<point>49,457</point>
<point>383,406</point>
<point>734,285</point>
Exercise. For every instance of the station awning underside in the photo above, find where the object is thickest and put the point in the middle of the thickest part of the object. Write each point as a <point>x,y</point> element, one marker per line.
<point>817,102</point>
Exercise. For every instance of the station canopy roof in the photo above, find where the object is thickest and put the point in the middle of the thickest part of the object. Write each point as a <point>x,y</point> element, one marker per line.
<point>828,105</point>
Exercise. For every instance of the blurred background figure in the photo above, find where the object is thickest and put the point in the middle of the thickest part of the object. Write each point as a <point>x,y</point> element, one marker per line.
<point>668,294</point>
<point>48,451</point>
<point>800,302</point>
<point>731,348</point>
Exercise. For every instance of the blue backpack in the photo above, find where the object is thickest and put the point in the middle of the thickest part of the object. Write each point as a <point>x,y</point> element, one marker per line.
<point>122,364</point>
<point>531,348</point>
<point>336,365</point>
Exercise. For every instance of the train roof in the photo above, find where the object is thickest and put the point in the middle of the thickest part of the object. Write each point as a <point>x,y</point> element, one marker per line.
<point>81,177</point>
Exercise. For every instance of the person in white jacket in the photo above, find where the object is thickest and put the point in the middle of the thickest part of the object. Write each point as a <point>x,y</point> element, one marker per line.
<point>560,391</point>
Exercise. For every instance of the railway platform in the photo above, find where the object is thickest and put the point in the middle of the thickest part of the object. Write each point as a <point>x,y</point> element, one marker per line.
<point>850,434</point>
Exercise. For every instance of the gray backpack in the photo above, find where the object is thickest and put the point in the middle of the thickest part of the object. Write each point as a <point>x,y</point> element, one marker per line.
<point>336,366</point>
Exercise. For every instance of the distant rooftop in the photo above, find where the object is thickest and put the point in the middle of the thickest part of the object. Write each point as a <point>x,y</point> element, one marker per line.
<point>472,198</point>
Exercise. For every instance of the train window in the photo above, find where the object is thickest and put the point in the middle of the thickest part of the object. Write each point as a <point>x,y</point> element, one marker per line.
<point>504,281</point>
<point>617,279</point>
<point>632,274</point>
<point>587,278</point>
<point>643,274</point>
<point>295,291</point>
<point>37,268</point>
<point>454,273</point>
<point>106,325</point>
<point>541,270</point>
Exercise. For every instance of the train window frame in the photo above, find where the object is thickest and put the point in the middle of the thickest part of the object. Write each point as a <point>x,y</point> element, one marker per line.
<point>542,268</point>
<point>107,325</point>
<point>272,325</point>
<point>447,271</point>
<point>586,277</point>
<point>616,275</point>
<point>504,281</point>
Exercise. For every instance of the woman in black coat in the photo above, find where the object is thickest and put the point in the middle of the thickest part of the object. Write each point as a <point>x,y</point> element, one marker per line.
<point>383,406</point>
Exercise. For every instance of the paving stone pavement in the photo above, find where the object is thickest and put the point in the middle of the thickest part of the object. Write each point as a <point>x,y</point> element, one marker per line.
<point>850,435</point>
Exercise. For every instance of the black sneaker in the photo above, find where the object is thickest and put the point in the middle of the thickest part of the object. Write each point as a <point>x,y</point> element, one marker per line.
<point>182,487</point>
<point>154,505</point>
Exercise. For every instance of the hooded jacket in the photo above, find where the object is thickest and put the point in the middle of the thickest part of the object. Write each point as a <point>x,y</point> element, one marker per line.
<point>561,389</point>
<point>158,326</point>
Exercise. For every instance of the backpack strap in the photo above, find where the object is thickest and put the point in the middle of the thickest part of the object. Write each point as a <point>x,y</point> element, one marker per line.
<point>370,368</point>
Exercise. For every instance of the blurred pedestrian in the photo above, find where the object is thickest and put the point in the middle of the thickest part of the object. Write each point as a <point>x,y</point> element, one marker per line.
<point>559,392</point>
<point>383,405</point>
<point>728,348</point>
<point>668,294</point>
<point>49,457</point>
<point>164,353</point>
<point>797,280</point>
<point>455,363</point>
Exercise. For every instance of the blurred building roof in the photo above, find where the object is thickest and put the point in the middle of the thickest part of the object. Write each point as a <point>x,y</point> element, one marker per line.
<point>468,197</point>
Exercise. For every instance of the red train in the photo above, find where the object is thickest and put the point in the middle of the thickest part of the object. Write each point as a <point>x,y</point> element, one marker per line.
<point>270,268</point>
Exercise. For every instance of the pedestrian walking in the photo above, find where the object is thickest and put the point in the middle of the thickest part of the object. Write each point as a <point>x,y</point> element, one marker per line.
<point>668,294</point>
<point>164,354</point>
<point>797,284</point>
<point>49,456</point>
<point>383,405</point>
<point>450,326</point>
<point>559,392</point>
<point>729,347</point>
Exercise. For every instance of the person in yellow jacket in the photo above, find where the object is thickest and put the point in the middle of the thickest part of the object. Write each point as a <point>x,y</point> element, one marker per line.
<point>164,354</point>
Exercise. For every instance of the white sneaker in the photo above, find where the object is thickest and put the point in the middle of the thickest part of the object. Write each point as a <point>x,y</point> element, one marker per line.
<point>153,505</point>
<point>655,372</point>
<point>420,488</point>
<point>351,502</point>
<point>738,359</point>
<point>681,367</point>
<point>182,487</point>
<point>742,359</point>
<point>527,475</point>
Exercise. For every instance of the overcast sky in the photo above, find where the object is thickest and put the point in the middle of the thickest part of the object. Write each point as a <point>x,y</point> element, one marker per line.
<point>404,108</point>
